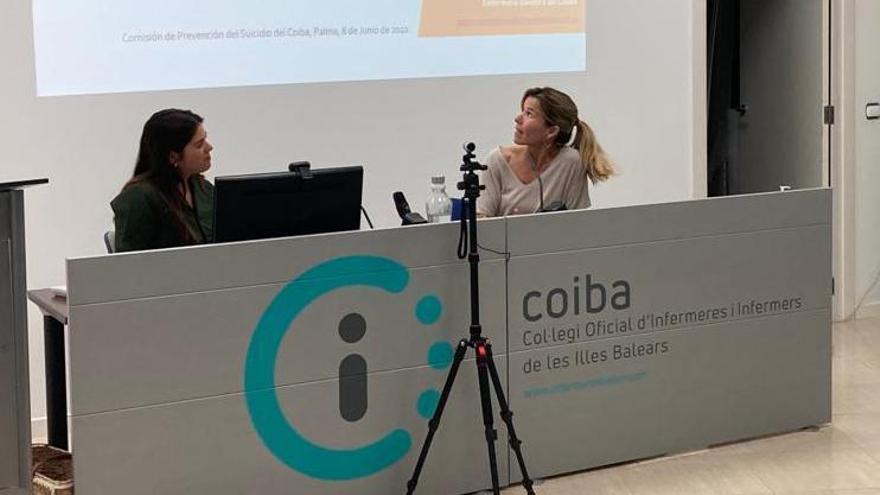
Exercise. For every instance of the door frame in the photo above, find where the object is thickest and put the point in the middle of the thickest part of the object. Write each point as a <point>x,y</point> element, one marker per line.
<point>842,156</point>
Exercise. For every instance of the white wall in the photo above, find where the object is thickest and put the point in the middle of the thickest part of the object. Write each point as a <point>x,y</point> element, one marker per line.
<point>644,94</point>
<point>867,157</point>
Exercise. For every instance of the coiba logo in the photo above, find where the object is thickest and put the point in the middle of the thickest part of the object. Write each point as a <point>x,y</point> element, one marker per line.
<point>280,436</point>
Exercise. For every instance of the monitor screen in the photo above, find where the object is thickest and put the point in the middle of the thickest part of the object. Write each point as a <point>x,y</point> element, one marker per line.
<point>259,206</point>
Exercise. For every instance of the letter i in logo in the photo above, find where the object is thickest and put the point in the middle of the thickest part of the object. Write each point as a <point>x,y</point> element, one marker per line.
<point>353,370</point>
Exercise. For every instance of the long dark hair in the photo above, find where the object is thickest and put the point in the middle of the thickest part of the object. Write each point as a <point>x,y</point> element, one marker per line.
<point>166,131</point>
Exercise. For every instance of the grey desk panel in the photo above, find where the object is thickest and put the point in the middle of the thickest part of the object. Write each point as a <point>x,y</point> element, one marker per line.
<point>709,279</point>
<point>200,268</point>
<point>706,385</point>
<point>210,446</point>
<point>716,382</point>
<point>188,346</point>
<point>648,223</point>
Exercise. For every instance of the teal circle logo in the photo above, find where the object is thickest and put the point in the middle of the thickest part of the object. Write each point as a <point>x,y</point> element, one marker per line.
<point>440,355</point>
<point>428,310</point>
<point>280,436</point>
<point>427,403</point>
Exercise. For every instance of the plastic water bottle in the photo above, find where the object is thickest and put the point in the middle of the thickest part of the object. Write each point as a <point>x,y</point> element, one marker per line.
<point>439,206</point>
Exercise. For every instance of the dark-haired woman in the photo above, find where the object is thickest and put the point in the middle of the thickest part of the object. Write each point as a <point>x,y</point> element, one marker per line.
<point>554,158</point>
<point>167,202</point>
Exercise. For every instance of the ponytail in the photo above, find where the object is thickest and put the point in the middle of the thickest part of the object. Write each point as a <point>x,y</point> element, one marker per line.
<point>596,161</point>
<point>559,110</point>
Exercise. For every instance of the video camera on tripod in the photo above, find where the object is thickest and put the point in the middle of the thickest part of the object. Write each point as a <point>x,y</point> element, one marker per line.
<point>487,374</point>
<point>470,183</point>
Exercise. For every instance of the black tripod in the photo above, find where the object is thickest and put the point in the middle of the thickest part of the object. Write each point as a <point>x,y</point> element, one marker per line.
<point>485,362</point>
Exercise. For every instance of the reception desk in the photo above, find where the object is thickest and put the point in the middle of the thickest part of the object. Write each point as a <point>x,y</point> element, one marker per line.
<point>310,365</point>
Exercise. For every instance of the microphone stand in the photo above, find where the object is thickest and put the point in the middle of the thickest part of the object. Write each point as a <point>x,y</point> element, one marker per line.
<point>486,369</point>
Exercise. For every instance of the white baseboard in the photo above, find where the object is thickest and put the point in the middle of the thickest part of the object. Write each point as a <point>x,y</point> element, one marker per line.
<point>871,310</point>
<point>39,430</point>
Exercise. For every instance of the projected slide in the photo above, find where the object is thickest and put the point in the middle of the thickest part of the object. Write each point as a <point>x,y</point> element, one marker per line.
<point>98,46</point>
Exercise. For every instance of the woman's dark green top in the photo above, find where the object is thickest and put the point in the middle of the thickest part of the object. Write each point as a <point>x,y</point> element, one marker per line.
<point>144,220</point>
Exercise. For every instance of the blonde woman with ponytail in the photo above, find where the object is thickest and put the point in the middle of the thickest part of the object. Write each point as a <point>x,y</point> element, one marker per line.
<point>554,157</point>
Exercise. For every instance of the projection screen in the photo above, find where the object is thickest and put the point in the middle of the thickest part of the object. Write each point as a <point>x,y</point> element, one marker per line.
<point>93,46</point>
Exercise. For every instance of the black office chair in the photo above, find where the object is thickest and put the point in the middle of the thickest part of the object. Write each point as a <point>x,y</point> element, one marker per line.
<point>110,241</point>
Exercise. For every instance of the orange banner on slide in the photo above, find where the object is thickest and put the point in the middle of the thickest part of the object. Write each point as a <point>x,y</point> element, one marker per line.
<point>487,17</point>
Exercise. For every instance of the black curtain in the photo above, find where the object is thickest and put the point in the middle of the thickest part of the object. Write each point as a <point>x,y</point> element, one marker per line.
<point>723,41</point>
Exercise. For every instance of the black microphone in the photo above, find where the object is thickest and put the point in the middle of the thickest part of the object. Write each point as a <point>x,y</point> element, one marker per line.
<point>401,204</point>
<point>406,214</point>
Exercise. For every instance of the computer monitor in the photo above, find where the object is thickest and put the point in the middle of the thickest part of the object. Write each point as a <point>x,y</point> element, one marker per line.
<point>259,206</point>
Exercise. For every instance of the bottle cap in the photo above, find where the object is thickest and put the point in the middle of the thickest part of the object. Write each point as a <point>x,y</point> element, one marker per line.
<point>438,179</point>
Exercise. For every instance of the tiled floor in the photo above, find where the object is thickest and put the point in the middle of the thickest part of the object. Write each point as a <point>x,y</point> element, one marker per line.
<point>841,459</point>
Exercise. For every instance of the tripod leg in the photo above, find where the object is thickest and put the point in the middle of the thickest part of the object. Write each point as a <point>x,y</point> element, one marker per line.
<point>434,423</point>
<point>486,402</point>
<point>507,417</point>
